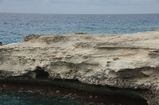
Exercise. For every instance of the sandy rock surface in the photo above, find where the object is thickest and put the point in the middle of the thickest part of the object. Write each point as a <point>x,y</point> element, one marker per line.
<point>123,61</point>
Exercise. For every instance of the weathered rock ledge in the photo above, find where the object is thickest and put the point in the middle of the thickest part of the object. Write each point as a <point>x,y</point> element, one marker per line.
<point>124,61</point>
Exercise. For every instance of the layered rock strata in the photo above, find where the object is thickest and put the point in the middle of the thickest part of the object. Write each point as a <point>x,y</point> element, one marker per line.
<point>129,61</point>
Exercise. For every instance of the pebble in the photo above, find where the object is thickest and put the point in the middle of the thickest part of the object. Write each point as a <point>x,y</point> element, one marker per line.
<point>57,91</point>
<point>96,97</point>
<point>90,96</point>
<point>69,94</point>
<point>4,86</point>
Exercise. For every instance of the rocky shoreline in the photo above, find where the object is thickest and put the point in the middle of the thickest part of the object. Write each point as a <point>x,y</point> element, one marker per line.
<point>129,61</point>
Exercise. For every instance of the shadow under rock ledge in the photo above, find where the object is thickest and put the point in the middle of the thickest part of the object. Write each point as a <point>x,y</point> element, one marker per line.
<point>74,88</point>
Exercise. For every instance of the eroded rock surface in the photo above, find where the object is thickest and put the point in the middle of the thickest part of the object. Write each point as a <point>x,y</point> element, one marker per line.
<point>123,61</point>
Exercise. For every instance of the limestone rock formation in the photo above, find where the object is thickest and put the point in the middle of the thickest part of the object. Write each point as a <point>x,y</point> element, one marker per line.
<point>123,61</point>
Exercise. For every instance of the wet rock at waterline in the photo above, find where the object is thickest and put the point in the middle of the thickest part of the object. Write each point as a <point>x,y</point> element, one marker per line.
<point>129,61</point>
<point>1,43</point>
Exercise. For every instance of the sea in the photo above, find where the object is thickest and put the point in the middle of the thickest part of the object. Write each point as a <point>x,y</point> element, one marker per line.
<point>35,98</point>
<point>14,26</point>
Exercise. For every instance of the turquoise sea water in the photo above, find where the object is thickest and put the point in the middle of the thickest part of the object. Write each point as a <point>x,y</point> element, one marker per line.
<point>35,98</point>
<point>13,27</point>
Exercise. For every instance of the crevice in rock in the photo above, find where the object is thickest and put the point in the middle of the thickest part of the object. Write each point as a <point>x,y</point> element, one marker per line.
<point>143,72</point>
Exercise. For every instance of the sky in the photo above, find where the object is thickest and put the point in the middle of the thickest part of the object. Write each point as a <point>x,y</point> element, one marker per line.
<point>80,6</point>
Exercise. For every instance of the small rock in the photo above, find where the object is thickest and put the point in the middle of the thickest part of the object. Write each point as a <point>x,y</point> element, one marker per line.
<point>1,43</point>
<point>4,86</point>
<point>69,94</point>
<point>96,97</point>
<point>30,74</point>
<point>57,91</point>
<point>90,96</point>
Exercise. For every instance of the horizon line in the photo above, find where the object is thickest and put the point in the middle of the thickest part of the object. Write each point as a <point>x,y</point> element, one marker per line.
<point>80,13</point>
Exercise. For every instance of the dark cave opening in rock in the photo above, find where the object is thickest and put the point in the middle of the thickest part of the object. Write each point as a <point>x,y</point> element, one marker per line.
<point>40,73</point>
